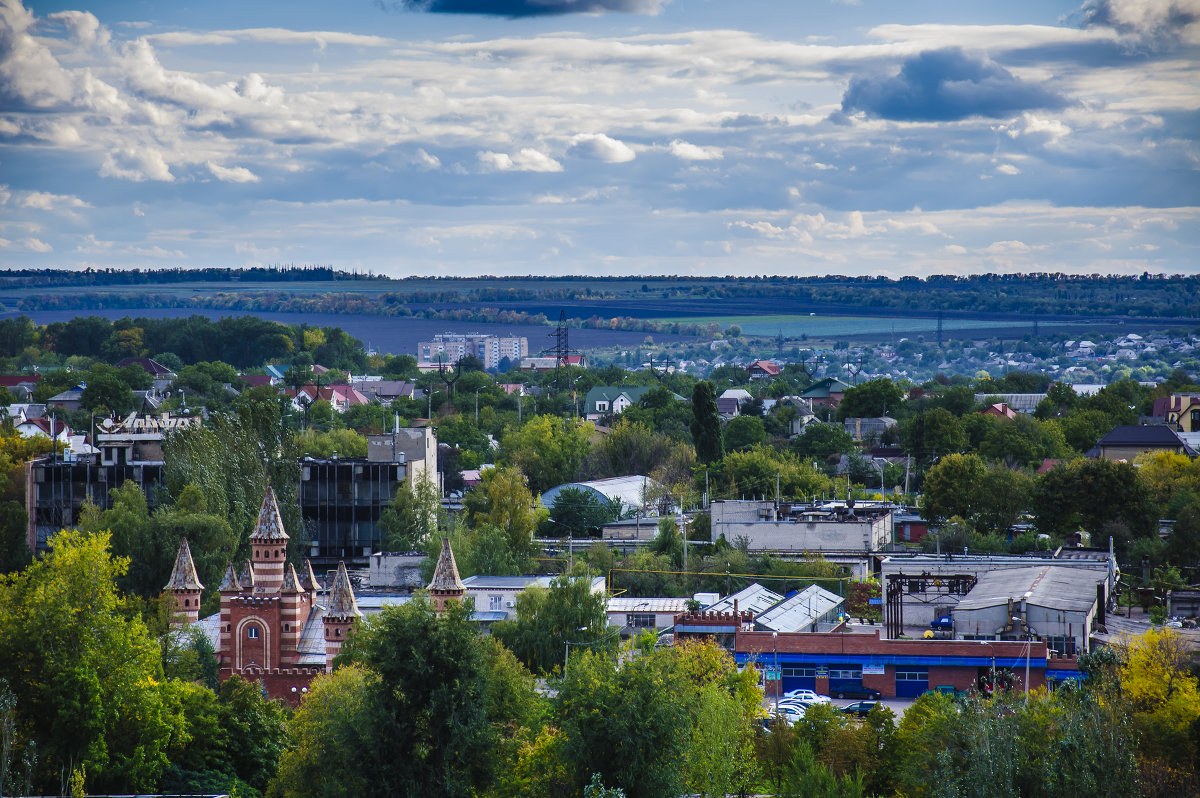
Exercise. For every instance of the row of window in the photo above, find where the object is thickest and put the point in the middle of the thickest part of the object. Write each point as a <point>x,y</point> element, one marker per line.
<point>908,674</point>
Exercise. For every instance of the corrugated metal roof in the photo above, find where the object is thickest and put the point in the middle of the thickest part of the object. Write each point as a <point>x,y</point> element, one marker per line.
<point>800,611</point>
<point>657,605</point>
<point>754,598</point>
<point>1049,586</point>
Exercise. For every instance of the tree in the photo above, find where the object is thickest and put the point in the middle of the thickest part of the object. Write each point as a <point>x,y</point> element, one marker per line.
<point>1099,495</point>
<point>580,513</point>
<point>502,499</point>
<point>706,423</point>
<point>548,450</point>
<point>1002,496</point>
<point>85,674</point>
<point>336,443</point>
<point>405,523</point>
<point>757,471</point>
<point>951,487</point>
<point>14,546</point>
<point>935,433</point>
<point>547,620</point>
<point>743,432</point>
<point>105,392</point>
<point>630,447</point>
<point>1156,673</point>
<point>822,440</point>
<point>872,399</point>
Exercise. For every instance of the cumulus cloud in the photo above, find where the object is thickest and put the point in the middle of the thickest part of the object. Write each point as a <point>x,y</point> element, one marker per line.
<point>45,201</point>
<point>1008,169</point>
<point>601,148</point>
<point>687,151</point>
<point>946,85</point>
<point>525,8</point>
<point>36,245</point>
<point>423,160</point>
<point>1154,21</point>
<point>136,164</point>
<point>525,160</point>
<point>236,174</point>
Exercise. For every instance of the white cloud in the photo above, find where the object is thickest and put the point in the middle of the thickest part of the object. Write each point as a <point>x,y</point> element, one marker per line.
<point>692,152</point>
<point>524,160</point>
<point>269,35</point>
<point>36,245</point>
<point>236,174</point>
<point>137,165</point>
<point>1008,169</point>
<point>601,148</point>
<point>45,201</point>
<point>424,160</point>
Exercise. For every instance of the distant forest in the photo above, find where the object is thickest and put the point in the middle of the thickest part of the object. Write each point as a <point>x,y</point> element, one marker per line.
<point>627,302</point>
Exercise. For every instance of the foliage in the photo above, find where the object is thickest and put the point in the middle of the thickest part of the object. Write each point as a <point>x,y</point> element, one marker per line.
<point>1098,495</point>
<point>345,443</point>
<point>105,392</point>
<point>580,513</point>
<point>754,473</point>
<point>86,677</point>
<point>1156,677</point>
<point>951,487</point>
<point>706,423</point>
<point>871,399</point>
<point>744,432</point>
<point>411,520</point>
<point>502,499</point>
<point>547,450</point>
<point>547,621</point>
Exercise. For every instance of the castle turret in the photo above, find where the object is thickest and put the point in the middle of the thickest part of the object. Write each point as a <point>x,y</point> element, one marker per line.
<point>294,605</point>
<point>446,584</point>
<point>308,580</point>
<point>268,543</point>
<point>340,614</point>
<point>185,587</point>
<point>246,576</point>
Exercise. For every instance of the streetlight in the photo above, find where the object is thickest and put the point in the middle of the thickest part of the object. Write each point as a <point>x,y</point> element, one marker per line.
<point>1028,643</point>
<point>992,649</point>
<point>775,649</point>
<point>477,390</point>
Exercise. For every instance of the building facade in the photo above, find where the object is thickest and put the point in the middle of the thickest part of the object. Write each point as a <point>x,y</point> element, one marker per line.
<point>448,348</point>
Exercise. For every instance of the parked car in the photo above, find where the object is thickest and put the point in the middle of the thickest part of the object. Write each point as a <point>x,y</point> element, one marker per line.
<point>790,712</point>
<point>805,697</point>
<point>943,623</point>
<point>860,708</point>
<point>857,692</point>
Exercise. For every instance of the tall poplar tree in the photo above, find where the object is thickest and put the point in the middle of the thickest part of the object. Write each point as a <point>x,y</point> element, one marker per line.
<point>706,423</point>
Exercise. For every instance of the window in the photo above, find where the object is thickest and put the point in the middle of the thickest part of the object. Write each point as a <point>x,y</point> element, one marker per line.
<point>1065,646</point>
<point>495,602</point>
<point>640,620</point>
<point>601,407</point>
<point>252,633</point>
<point>910,674</point>
<point>1195,419</point>
<point>803,673</point>
<point>845,673</point>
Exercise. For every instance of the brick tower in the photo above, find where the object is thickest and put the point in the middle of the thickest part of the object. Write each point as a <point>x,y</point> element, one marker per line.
<point>446,584</point>
<point>268,543</point>
<point>185,587</point>
<point>341,614</point>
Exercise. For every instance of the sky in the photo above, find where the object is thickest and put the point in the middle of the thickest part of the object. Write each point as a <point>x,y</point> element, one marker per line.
<point>605,137</point>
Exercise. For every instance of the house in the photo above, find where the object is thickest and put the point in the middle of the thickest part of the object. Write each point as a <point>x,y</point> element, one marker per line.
<point>763,370</point>
<point>499,593</point>
<point>21,386</point>
<point>161,375</point>
<point>611,400</point>
<point>999,410</point>
<point>868,428</point>
<point>632,614</point>
<point>70,399</point>
<point>1181,411</point>
<point>258,380</point>
<point>342,397</point>
<point>1020,402</point>
<point>729,403</point>
<point>385,391</point>
<point>1128,441</point>
<point>825,393</point>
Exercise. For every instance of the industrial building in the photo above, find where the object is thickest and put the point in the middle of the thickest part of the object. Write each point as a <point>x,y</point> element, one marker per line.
<point>787,528</point>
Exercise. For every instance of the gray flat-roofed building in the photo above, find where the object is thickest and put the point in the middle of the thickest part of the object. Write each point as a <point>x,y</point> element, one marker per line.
<point>1052,603</point>
<point>755,598</point>
<point>634,614</point>
<point>499,593</point>
<point>813,609</point>
<point>789,528</point>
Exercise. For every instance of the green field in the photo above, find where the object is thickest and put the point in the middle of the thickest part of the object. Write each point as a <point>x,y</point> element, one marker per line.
<point>818,326</point>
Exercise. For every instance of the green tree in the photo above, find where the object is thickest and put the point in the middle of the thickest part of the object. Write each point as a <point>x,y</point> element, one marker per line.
<point>952,486</point>
<point>874,398</point>
<point>744,432</point>
<point>14,545</point>
<point>335,443</point>
<point>502,499</point>
<point>706,423</point>
<point>580,513</point>
<point>1100,496</point>
<point>105,392</point>
<point>1001,498</point>
<point>548,450</point>
<point>822,440</point>
<point>547,620</point>
<point>85,674</point>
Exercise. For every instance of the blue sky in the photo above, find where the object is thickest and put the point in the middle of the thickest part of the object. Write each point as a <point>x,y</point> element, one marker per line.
<point>457,137</point>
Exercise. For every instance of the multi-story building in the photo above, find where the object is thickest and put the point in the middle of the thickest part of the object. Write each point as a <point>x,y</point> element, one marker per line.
<point>448,348</point>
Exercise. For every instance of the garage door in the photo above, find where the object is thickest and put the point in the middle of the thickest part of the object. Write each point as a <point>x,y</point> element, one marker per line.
<point>797,678</point>
<point>911,682</point>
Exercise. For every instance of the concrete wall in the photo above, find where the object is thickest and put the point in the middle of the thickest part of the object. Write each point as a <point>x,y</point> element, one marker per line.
<point>396,570</point>
<point>862,534</point>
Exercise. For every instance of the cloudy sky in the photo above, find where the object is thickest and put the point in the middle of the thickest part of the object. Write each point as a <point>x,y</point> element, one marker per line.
<point>603,136</point>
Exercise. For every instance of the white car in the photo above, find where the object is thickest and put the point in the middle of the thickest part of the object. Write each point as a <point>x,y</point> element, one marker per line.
<point>790,712</point>
<point>805,697</point>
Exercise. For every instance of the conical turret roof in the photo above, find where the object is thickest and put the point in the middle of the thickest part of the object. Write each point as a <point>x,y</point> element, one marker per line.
<point>445,574</point>
<point>291,582</point>
<point>269,526</point>
<point>341,596</point>
<point>230,583</point>
<point>184,576</point>
<point>246,577</point>
<point>308,578</point>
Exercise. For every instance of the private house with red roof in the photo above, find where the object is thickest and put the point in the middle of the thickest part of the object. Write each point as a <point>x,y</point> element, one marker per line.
<point>999,410</point>
<point>763,370</point>
<point>342,397</point>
